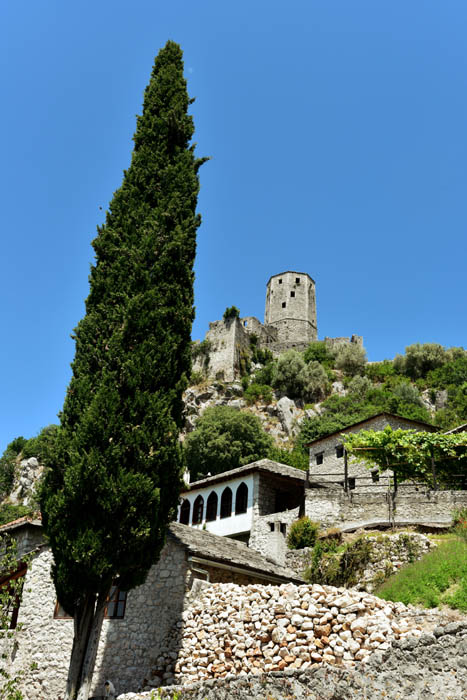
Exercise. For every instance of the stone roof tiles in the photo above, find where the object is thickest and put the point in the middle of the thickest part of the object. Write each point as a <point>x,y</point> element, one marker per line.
<point>225,550</point>
<point>262,465</point>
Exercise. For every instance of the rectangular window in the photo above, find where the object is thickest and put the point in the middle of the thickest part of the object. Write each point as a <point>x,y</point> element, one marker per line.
<point>297,280</point>
<point>351,482</point>
<point>292,294</point>
<point>284,528</point>
<point>283,304</point>
<point>319,457</point>
<point>116,605</point>
<point>280,281</point>
<point>339,451</point>
<point>375,476</point>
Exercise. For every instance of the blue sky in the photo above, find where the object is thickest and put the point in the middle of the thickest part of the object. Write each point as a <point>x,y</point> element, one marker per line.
<point>338,143</point>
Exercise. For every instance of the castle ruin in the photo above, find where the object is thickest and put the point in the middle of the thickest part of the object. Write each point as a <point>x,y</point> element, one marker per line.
<point>289,323</point>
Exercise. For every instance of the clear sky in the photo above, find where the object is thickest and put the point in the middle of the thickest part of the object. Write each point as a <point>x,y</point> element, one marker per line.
<point>338,143</point>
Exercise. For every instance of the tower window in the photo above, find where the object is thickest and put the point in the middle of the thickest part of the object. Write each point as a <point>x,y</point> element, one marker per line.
<point>319,458</point>
<point>283,304</point>
<point>292,294</point>
<point>280,281</point>
<point>297,280</point>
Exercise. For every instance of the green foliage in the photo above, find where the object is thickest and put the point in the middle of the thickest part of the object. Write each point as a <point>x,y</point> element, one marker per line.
<point>230,313</point>
<point>409,452</point>
<point>359,387</point>
<point>225,438</point>
<point>332,567</point>
<point>408,393</point>
<point>380,371</point>
<point>451,373</point>
<point>197,378</point>
<point>258,392</point>
<point>41,446</point>
<point>296,457</point>
<point>419,359</point>
<point>289,375</point>
<point>8,462</point>
<point>319,352</point>
<point>261,356</point>
<point>114,480</point>
<point>265,374</point>
<point>9,512</point>
<point>302,533</point>
<point>350,359</point>
<point>293,378</point>
<point>439,578</point>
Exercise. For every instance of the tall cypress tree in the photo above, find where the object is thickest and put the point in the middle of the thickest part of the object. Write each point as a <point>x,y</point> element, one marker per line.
<point>114,481</point>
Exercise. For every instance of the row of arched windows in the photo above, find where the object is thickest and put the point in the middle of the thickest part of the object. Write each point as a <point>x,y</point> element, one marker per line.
<point>241,504</point>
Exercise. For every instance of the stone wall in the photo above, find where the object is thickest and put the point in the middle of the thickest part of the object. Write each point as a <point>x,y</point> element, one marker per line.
<point>127,647</point>
<point>428,667</point>
<point>228,340</point>
<point>388,554</point>
<point>232,630</point>
<point>269,534</point>
<point>291,307</point>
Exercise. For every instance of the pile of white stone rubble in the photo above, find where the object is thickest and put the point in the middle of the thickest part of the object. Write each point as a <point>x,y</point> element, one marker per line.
<point>233,630</point>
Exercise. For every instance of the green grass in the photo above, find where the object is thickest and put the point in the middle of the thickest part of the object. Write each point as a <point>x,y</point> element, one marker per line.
<point>440,578</point>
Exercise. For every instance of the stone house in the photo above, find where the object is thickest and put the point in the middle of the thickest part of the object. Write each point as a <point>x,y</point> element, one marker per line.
<point>140,626</point>
<point>328,462</point>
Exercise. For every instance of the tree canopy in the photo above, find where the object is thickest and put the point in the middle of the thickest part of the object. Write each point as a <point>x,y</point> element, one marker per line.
<point>114,477</point>
<point>225,438</point>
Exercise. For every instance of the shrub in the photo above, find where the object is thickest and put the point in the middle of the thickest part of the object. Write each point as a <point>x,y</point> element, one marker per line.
<point>408,392</point>
<point>296,457</point>
<point>315,381</point>
<point>380,371</point>
<point>288,377</point>
<point>319,352</point>
<point>258,392</point>
<point>302,533</point>
<point>230,313</point>
<point>420,359</point>
<point>351,359</point>
<point>9,512</point>
<point>359,387</point>
<point>197,378</point>
<point>265,374</point>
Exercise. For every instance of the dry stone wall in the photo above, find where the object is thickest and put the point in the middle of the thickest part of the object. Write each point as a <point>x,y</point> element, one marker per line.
<point>388,554</point>
<point>430,666</point>
<point>233,630</point>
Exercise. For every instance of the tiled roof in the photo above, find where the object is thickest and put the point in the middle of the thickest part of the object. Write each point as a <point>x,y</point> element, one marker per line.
<point>34,520</point>
<point>262,465</point>
<point>225,550</point>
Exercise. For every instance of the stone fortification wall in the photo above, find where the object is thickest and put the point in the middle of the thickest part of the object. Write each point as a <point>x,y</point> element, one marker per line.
<point>233,631</point>
<point>388,554</point>
<point>427,667</point>
<point>228,340</point>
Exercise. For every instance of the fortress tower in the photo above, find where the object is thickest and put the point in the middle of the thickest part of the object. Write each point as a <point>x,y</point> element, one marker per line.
<point>291,309</point>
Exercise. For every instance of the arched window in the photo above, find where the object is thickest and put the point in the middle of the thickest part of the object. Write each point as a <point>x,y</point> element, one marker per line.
<point>211,507</point>
<point>226,503</point>
<point>241,499</point>
<point>198,508</point>
<point>185,512</point>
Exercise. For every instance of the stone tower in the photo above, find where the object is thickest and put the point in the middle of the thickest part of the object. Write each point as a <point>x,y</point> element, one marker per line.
<point>291,309</point>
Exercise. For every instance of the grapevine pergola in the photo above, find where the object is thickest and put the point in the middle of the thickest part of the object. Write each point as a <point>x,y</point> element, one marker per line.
<point>434,458</point>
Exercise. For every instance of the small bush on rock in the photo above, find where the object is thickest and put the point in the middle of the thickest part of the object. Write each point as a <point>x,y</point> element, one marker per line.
<point>302,533</point>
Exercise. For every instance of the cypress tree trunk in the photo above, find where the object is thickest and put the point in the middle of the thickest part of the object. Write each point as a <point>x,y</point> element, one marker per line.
<point>115,474</point>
